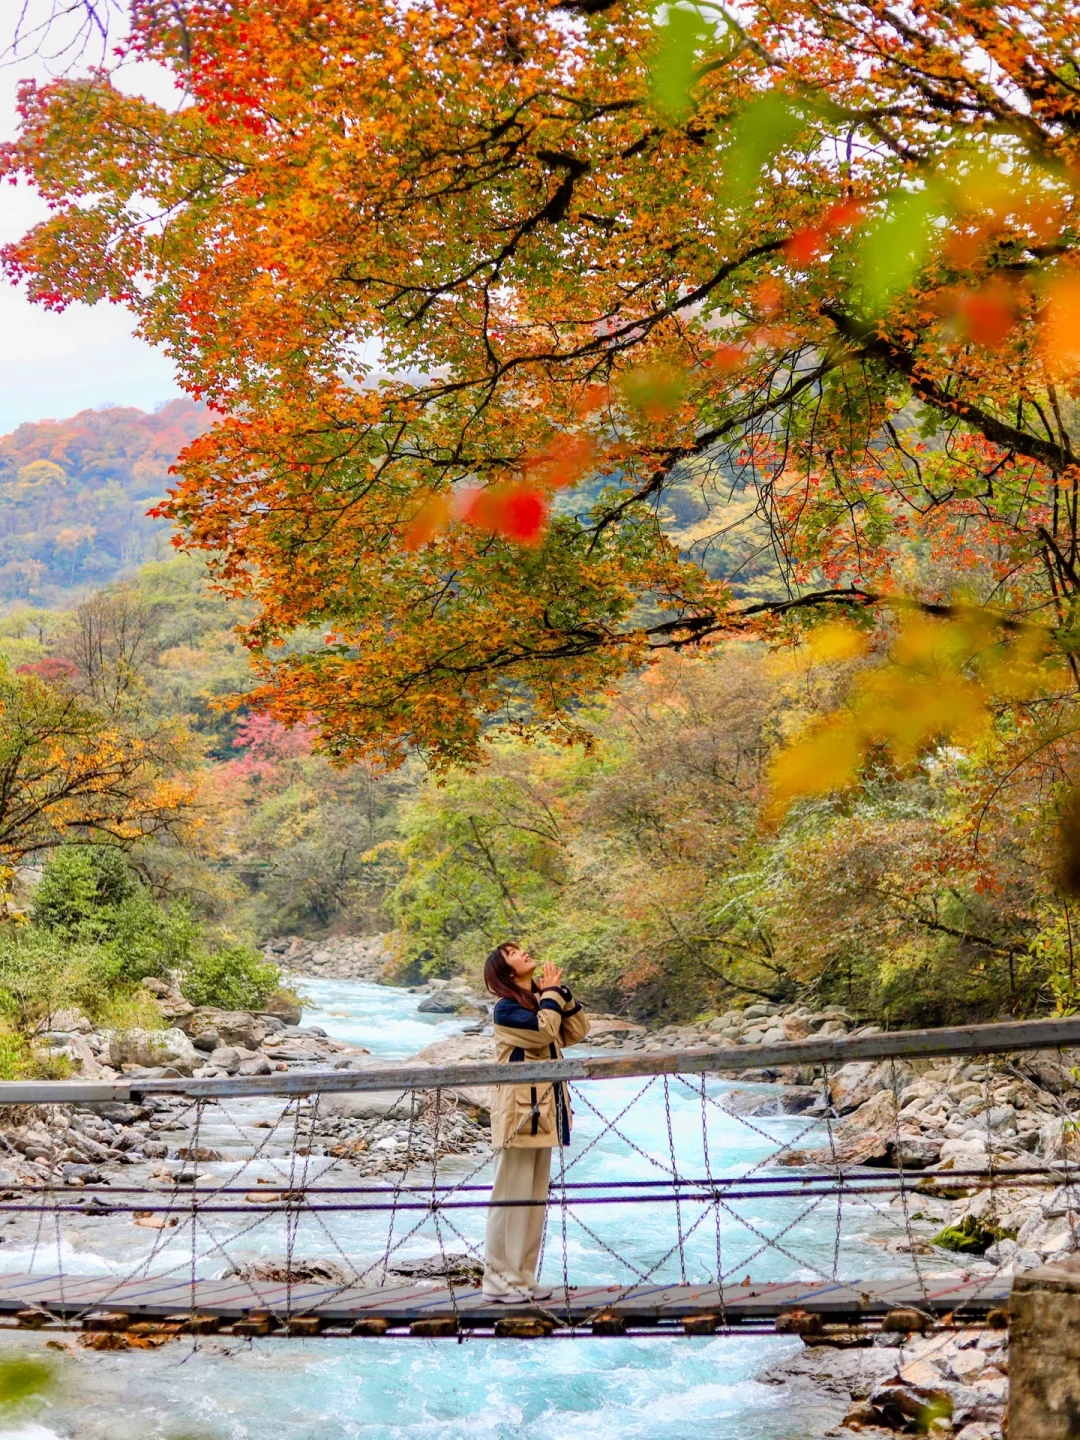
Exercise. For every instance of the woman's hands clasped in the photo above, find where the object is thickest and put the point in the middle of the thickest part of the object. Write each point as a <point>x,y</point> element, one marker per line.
<point>550,977</point>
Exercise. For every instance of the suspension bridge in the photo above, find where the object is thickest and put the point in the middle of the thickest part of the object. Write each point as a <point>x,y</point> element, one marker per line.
<point>697,1282</point>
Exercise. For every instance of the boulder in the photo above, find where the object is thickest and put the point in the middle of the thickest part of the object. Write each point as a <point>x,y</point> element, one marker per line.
<point>285,1006</point>
<point>903,1405</point>
<point>206,1040</point>
<point>441,1003</point>
<point>1051,1069</point>
<point>370,1105</point>
<point>152,1049</point>
<point>832,1028</point>
<point>257,1065</point>
<point>795,1027</point>
<point>226,1058</point>
<point>915,1152</point>
<point>856,1083</point>
<point>602,1026</point>
<point>177,1011</point>
<point>74,1022</point>
<point>759,1011</point>
<point>281,1270</point>
<point>234,1027</point>
<point>822,1017</point>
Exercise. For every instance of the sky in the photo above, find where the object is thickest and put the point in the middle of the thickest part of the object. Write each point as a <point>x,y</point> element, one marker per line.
<point>53,365</point>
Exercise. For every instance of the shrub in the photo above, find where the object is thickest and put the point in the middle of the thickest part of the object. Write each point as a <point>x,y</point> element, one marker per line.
<point>232,978</point>
<point>14,1055</point>
<point>41,972</point>
<point>146,939</point>
<point>127,1009</point>
<point>79,883</point>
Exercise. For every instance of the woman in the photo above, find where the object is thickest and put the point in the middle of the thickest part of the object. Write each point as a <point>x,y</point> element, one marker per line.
<point>533,1021</point>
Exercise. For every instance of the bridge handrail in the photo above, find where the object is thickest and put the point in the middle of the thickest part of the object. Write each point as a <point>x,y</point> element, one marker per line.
<point>997,1038</point>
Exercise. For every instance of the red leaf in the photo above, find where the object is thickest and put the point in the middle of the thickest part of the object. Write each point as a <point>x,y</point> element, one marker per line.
<point>563,462</point>
<point>726,358</point>
<point>844,212</point>
<point>524,514</point>
<point>987,316</point>
<point>805,246</point>
<point>519,512</point>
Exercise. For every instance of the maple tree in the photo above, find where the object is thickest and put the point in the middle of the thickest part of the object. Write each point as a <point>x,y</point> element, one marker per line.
<point>474,288</point>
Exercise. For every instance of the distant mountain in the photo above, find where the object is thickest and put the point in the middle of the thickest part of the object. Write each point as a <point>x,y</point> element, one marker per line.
<point>74,496</point>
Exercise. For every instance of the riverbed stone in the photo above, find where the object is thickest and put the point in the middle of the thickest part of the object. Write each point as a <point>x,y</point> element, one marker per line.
<point>439,1003</point>
<point>153,1049</point>
<point>855,1083</point>
<point>285,1006</point>
<point>256,1065</point>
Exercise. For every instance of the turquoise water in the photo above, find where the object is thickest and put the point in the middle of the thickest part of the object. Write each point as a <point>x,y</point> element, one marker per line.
<point>647,1389</point>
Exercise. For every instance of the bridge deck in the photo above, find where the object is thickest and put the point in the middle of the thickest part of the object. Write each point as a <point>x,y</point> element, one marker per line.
<point>69,1297</point>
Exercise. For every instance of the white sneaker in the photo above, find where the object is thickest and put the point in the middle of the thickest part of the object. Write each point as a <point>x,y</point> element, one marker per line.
<point>542,1292</point>
<point>512,1297</point>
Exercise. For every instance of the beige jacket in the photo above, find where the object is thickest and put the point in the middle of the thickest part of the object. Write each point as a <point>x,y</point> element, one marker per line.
<point>534,1117</point>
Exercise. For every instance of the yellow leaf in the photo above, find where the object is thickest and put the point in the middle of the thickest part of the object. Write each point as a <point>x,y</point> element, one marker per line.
<point>826,759</point>
<point>833,642</point>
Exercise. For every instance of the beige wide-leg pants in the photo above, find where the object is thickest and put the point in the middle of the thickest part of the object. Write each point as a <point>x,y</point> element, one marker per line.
<point>515,1232</point>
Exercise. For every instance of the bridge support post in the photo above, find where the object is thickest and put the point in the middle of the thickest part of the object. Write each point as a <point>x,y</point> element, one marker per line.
<point>1044,1353</point>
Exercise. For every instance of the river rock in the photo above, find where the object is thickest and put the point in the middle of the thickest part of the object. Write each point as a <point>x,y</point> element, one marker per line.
<point>339,957</point>
<point>152,1049</point>
<point>615,1027</point>
<point>759,1011</point>
<point>855,1083</point>
<point>72,1021</point>
<point>439,1003</point>
<point>370,1104</point>
<point>284,1005</point>
<point>225,1057</point>
<point>176,1011</point>
<point>256,1065</point>
<point>233,1027</point>
<point>915,1152</point>
<point>281,1270</point>
<point>903,1405</point>
<point>1050,1069</point>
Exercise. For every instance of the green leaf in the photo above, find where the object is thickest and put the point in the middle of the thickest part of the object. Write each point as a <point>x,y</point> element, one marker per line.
<point>895,249</point>
<point>675,65</point>
<point>765,126</point>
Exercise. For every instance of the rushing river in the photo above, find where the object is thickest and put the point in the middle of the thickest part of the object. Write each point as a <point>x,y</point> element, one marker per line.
<point>633,1389</point>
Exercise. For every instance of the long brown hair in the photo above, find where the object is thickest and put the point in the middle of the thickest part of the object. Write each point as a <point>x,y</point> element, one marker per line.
<point>500,980</point>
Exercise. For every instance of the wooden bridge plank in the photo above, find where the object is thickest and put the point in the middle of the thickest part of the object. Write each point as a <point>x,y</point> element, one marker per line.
<point>401,1305</point>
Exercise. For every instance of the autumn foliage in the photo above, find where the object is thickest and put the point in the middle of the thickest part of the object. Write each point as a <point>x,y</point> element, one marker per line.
<point>74,496</point>
<point>474,287</point>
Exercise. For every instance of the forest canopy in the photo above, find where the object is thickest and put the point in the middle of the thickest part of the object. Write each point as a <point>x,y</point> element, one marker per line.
<point>74,496</point>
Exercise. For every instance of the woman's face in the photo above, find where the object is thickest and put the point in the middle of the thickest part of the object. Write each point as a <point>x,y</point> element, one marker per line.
<point>521,964</point>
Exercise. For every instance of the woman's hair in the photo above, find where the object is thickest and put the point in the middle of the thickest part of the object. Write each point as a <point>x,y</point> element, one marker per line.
<point>500,980</point>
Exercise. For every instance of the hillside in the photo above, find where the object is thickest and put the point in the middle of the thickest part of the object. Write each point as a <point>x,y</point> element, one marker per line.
<point>74,495</point>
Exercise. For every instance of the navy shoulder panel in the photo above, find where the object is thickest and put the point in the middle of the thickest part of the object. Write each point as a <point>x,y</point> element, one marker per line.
<point>517,1017</point>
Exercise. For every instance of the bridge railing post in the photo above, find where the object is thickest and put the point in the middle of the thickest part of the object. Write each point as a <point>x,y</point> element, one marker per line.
<point>1044,1353</point>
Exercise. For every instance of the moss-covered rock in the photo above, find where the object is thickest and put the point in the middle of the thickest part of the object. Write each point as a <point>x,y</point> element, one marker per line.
<point>971,1237</point>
